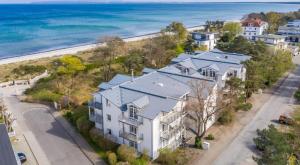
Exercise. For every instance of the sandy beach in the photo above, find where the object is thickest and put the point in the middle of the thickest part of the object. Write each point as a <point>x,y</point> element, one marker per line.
<point>76,49</point>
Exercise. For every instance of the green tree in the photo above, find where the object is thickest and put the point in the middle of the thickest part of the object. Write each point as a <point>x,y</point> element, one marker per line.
<point>134,61</point>
<point>178,29</point>
<point>126,154</point>
<point>232,28</point>
<point>274,20</point>
<point>274,146</point>
<point>68,66</point>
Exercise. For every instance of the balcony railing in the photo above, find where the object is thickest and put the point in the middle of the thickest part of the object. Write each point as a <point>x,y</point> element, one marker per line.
<point>92,117</point>
<point>96,105</point>
<point>131,121</point>
<point>130,136</point>
<point>172,117</point>
<point>171,132</point>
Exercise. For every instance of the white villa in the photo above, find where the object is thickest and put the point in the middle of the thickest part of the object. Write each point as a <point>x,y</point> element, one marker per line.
<point>206,39</point>
<point>253,27</point>
<point>146,112</point>
<point>291,31</point>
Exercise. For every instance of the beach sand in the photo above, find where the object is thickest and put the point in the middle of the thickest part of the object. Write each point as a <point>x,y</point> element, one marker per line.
<point>76,49</point>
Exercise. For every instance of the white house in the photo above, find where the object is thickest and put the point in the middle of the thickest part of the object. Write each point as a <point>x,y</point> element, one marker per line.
<point>291,31</point>
<point>270,39</point>
<point>253,27</point>
<point>206,39</point>
<point>146,112</point>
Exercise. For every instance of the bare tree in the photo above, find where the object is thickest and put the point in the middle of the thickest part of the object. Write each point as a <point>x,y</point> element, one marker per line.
<point>203,105</point>
<point>6,116</point>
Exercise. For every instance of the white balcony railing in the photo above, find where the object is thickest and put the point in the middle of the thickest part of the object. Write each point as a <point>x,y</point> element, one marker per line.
<point>131,121</point>
<point>130,136</point>
<point>168,134</point>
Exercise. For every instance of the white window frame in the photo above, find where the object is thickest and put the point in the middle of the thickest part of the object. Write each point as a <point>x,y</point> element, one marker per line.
<point>133,112</point>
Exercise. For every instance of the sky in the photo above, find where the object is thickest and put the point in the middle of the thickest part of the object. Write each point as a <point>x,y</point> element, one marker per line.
<point>107,1</point>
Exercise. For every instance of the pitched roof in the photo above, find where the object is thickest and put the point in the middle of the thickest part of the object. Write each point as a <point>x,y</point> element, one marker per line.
<point>255,22</point>
<point>7,155</point>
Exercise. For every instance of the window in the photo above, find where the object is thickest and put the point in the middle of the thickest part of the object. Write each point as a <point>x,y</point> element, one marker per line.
<point>164,127</point>
<point>108,117</point>
<point>107,103</point>
<point>133,129</point>
<point>109,131</point>
<point>133,112</point>
<point>235,73</point>
<point>133,144</point>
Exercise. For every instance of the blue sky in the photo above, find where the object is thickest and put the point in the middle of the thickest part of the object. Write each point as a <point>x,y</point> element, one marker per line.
<point>107,1</point>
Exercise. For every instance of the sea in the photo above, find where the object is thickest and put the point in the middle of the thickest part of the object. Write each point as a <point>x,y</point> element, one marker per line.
<point>32,28</point>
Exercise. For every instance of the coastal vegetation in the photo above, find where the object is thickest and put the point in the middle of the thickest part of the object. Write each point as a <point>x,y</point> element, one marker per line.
<point>279,146</point>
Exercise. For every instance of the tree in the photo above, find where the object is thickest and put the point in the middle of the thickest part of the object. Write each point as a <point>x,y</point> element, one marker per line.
<point>178,30</point>
<point>126,154</point>
<point>159,51</point>
<point>232,28</point>
<point>114,46</point>
<point>274,146</point>
<point>134,61</point>
<point>204,102</point>
<point>68,66</point>
<point>274,20</point>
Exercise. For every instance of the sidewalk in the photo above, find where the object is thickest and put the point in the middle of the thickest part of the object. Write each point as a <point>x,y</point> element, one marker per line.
<point>78,139</point>
<point>224,134</point>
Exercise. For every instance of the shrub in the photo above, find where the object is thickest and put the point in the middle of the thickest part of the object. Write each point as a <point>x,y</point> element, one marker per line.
<point>226,117</point>
<point>111,158</point>
<point>210,137</point>
<point>168,157</point>
<point>45,95</point>
<point>297,95</point>
<point>198,143</point>
<point>244,106</point>
<point>126,153</point>
<point>69,116</point>
<point>28,69</point>
<point>84,125</point>
<point>102,142</point>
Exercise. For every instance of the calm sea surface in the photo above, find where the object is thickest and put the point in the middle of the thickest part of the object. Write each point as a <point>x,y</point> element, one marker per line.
<point>26,29</point>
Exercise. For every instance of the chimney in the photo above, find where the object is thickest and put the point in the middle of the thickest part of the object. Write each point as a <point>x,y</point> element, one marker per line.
<point>132,75</point>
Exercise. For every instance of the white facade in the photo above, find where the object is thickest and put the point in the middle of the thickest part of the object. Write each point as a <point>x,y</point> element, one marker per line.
<point>271,39</point>
<point>208,40</point>
<point>292,28</point>
<point>252,28</point>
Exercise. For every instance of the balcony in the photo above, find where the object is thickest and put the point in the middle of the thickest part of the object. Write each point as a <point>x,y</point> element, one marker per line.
<point>170,118</point>
<point>168,134</point>
<point>131,121</point>
<point>92,116</point>
<point>130,136</point>
<point>96,105</point>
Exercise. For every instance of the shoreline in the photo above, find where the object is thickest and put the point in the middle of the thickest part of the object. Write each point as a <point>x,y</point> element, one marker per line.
<point>79,48</point>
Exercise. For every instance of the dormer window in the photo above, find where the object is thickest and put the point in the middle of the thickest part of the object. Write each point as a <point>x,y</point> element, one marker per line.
<point>133,112</point>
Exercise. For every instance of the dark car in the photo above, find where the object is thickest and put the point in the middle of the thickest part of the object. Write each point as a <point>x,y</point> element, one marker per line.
<point>22,157</point>
<point>283,119</point>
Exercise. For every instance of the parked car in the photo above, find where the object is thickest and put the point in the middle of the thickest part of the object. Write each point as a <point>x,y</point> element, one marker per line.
<point>283,119</point>
<point>22,157</point>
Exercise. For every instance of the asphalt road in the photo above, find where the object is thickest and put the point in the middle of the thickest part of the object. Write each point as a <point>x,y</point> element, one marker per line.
<point>50,143</point>
<point>241,150</point>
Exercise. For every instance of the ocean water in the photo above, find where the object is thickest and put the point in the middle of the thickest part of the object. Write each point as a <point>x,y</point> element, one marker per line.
<point>26,29</point>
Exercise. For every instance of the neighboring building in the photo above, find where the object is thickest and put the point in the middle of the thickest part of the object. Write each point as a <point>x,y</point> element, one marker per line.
<point>7,155</point>
<point>209,40</point>
<point>253,27</point>
<point>270,39</point>
<point>294,50</point>
<point>291,31</point>
<point>214,65</point>
<point>146,112</point>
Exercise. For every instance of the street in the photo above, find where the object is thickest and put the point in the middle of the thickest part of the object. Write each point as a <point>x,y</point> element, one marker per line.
<point>48,140</point>
<point>241,150</point>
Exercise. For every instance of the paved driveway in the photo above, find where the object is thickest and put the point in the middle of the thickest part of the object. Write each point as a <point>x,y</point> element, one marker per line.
<point>48,140</point>
<point>242,148</point>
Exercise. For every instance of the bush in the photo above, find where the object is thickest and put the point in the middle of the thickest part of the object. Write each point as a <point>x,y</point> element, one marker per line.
<point>226,117</point>
<point>111,158</point>
<point>198,143</point>
<point>126,154</point>
<point>297,95</point>
<point>245,106</point>
<point>28,69</point>
<point>102,142</point>
<point>45,95</point>
<point>168,157</point>
<point>210,137</point>
<point>84,125</point>
<point>68,115</point>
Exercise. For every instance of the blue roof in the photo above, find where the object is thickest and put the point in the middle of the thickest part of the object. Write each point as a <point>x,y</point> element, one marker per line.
<point>117,80</point>
<point>148,70</point>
